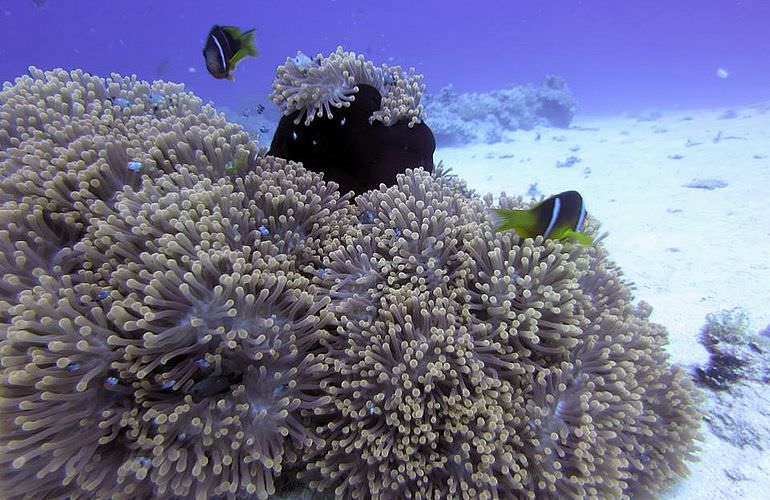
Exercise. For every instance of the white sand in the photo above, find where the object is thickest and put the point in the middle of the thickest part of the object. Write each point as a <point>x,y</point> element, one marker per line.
<point>689,251</point>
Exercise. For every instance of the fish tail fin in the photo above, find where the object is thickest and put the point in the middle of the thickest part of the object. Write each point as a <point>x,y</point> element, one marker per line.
<point>521,221</point>
<point>581,238</point>
<point>247,41</point>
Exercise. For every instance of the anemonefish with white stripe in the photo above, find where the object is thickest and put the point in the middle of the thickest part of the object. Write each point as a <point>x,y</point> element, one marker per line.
<point>225,47</point>
<point>559,217</point>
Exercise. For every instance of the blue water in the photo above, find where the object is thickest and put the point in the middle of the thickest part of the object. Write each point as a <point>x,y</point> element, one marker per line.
<point>616,56</point>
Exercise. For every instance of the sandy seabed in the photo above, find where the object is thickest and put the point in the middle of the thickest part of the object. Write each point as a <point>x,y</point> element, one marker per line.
<point>690,250</point>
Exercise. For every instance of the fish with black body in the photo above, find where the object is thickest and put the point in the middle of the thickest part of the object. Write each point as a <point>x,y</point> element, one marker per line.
<point>225,47</point>
<point>213,385</point>
<point>350,149</point>
<point>559,217</point>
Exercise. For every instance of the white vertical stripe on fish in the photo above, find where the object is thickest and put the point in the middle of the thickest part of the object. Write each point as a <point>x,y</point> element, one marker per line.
<point>221,52</point>
<point>554,215</point>
<point>582,218</point>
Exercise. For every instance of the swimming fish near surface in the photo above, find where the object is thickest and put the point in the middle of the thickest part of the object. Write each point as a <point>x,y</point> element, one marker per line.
<point>225,47</point>
<point>559,217</point>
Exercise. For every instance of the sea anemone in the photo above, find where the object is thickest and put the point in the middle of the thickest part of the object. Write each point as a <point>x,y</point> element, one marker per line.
<point>181,315</point>
<point>411,410</point>
<point>314,87</point>
<point>159,324</point>
<point>487,365</point>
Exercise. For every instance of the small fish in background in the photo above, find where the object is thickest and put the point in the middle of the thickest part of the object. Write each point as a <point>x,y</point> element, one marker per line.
<point>559,217</point>
<point>722,73</point>
<point>258,109</point>
<point>163,68</point>
<point>213,385</point>
<point>121,102</point>
<point>225,47</point>
<point>234,165</point>
<point>301,61</point>
<point>156,98</point>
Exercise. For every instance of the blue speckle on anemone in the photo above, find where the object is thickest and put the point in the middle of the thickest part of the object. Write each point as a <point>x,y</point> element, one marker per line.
<point>121,102</point>
<point>135,166</point>
<point>156,97</point>
<point>103,294</point>
<point>366,217</point>
<point>263,230</point>
<point>302,61</point>
<point>111,381</point>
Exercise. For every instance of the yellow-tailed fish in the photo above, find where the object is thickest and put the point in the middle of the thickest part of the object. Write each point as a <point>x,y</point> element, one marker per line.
<point>225,46</point>
<point>559,217</point>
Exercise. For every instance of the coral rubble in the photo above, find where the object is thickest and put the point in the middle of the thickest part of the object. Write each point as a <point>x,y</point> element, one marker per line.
<point>735,353</point>
<point>182,316</point>
<point>738,372</point>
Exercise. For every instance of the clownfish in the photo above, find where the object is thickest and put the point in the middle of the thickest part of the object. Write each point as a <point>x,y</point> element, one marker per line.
<point>225,47</point>
<point>559,217</point>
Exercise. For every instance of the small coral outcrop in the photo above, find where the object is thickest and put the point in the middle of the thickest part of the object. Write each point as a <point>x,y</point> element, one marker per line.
<point>462,118</point>
<point>736,376</point>
<point>735,353</point>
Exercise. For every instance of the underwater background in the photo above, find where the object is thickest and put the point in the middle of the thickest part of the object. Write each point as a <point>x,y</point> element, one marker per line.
<point>658,113</point>
<point>616,57</point>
